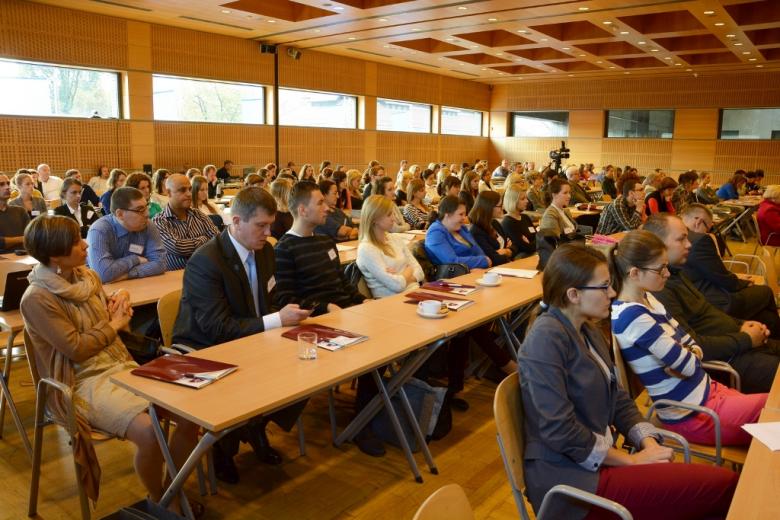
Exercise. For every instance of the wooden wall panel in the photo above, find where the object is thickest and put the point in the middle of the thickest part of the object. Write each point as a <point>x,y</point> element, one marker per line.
<point>320,71</point>
<point>748,155</point>
<point>458,149</point>
<point>586,123</point>
<point>407,84</point>
<point>696,123</point>
<point>464,94</point>
<point>690,154</point>
<point>313,145</point>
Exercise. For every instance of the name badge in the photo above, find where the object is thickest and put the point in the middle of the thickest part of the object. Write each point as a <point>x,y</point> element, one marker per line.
<point>35,213</point>
<point>90,214</point>
<point>532,230</point>
<point>332,254</point>
<point>136,249</point>
<point>271,283</point>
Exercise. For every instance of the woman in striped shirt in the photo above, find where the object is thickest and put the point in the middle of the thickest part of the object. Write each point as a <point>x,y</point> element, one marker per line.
<point>666,359</point>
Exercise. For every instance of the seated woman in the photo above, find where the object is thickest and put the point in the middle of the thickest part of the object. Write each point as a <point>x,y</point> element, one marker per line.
<point>192,172</point>
<point>432,195</point>
<point>74,327</point>
<point>705,193</point>
<point>386,263</point>
<point>663,355</point>
<point>338,225</point>
<point>99,181</point>
<point>448,241</point>
<point>87,193</point>
<point>116,179</point>
<point>484,179</point>
<point>487,208</point>
<point>516,224</point>
<point>730,190</point>
<point>386,187</point>
<point>469,189</point>
<point>660,200</point>
<point>34,204</point>
<point>280,191</point>
<point>416,213</point>
<point>71,206</point>
<point>200,196</point>
<point>307,174</point>
<point>143,183</point>
<point>401,197</point>
<point>160,193</point>
<point>353,187</point>
<point>557,220</point>
<point>768,216</point>
<point>572,402</point>
<point>256,180</point>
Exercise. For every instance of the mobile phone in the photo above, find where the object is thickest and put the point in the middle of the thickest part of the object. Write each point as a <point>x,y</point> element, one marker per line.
<point>309,304</point>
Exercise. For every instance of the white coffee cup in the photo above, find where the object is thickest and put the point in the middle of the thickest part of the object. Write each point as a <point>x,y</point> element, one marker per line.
<point>491,278</point>
<point>430,306</point>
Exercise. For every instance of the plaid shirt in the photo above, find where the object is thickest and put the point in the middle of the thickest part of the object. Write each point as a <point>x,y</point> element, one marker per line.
<point>618,216</point>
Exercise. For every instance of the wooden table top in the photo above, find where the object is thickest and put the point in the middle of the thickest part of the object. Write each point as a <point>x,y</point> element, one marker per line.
<point>756,495</point>
<point>490,302</point>
<point>148,289</point>
<point>270,375</point>
<point>773,402</point>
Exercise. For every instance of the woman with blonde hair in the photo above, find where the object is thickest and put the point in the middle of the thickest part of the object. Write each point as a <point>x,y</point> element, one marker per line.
<point>31,202</point>
<point>401,197</point>
<point>200,196</point>
<point>280,191</point>
<point>386,263</point>
<point>353,188</point>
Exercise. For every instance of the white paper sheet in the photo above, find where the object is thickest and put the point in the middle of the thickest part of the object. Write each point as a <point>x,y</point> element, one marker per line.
<point>516,273</point>
<point>768,433</point>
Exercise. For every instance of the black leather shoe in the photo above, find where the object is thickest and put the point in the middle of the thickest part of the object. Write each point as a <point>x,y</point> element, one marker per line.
<point>369,443</point>
<point>263,450</point>
<point>225,469</point>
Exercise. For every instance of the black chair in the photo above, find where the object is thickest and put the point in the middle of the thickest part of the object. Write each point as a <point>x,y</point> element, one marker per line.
<point>436,272</point>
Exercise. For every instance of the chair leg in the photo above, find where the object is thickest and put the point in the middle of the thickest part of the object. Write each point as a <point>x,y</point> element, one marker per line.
<point>201,479</point>
<point>83,500</point>
<point>32,508</point>
<point>332,414</point>
<point>212,473</point>
<point>301,437</point>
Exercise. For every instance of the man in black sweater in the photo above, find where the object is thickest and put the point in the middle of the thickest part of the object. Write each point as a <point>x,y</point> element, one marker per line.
<point>745,345</point>
<point>308,272</point>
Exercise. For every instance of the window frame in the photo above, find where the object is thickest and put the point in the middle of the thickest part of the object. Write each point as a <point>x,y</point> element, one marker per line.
<point>511,123</point>
<point>119,88</point>
<point>354,96</point>
<point>481,113</point>
<point>606,122</point>
<point>430,116</point>
<point>721,113</point>
<point>264,89</point>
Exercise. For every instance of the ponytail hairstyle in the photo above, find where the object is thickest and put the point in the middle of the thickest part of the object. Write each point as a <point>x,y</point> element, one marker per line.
<point>639,248</point>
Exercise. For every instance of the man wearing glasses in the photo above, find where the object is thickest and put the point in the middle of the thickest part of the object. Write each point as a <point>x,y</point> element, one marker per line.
<point>123,244</point>
<point>625,213</point>
<point>13,219</point>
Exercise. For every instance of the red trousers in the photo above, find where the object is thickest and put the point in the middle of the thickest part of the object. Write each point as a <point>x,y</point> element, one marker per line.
<point>667,491</point>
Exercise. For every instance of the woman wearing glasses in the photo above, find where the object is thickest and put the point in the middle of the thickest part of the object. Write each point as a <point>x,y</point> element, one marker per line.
<point>666,359</point>
<point>573,404</point>
<point>486,209</point>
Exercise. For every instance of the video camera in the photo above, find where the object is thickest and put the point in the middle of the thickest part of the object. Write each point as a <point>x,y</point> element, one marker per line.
<point>557,155</point>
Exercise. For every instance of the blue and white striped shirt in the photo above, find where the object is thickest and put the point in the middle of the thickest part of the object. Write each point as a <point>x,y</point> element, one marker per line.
<point>114,251</point>
<point>652,341</point>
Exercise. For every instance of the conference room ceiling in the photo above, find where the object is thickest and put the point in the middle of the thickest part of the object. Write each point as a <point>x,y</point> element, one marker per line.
<point>494,41</point>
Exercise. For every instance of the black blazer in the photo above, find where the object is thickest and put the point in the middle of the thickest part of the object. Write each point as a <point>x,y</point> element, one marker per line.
<point>517,229</point>
<point>63,211</point>
<point>216,302</point>
<point>488,244</point>
<point>709,275</point>
<point>89,195</point>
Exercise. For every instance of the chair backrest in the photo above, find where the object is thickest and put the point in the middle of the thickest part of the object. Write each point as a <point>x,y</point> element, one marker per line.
<point>32,361</point>
<point>449,502</point>
<point>355,277</point>
<point>769,270</point>
<point>508,414</point>
<point>167,310</point>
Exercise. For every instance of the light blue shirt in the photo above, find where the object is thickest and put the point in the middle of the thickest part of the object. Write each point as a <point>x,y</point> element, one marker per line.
<point>114,251</point>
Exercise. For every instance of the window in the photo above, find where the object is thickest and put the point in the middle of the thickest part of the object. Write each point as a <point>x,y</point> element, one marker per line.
<point>651,124</point>
<point>461,122</point>
<point>35,89</point>
<point>181,99</point>
<point>322,109</point>
<point>540,124</point>
<point>750,123</point>
<point>402,116</point>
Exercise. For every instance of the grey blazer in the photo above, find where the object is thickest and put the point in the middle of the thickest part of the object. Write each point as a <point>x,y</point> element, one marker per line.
<point>569,402</point>
<point>552,222</point>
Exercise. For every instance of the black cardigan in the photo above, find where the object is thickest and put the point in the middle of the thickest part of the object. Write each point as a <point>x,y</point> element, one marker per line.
<point>517,229</point>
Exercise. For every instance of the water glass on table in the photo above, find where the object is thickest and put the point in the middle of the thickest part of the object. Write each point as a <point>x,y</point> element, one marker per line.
<point>307,345</point>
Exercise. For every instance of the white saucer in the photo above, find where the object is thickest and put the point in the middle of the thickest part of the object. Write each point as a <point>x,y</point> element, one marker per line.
<point>482,282</point>
<point>436,316</point>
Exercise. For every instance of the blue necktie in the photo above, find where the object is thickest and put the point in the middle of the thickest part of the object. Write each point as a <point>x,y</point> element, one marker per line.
<point>252,268</point>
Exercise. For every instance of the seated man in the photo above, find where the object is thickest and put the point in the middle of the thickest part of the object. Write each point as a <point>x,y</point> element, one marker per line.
<point>338,225</point>
<point>13,219</point>
<point>48,184</point>
<point>725,290</point>
<point>124,244</point>
<point>578,193</point>
<point>743,344</point>
<point>308,272</point>
<point>182,229</point>
<point>228,293</point>
<point>625,212</point>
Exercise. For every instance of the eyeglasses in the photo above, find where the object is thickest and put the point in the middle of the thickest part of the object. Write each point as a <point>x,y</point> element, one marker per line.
<point>604,287</point>
<point>140,209</point>
<point>657,270</point>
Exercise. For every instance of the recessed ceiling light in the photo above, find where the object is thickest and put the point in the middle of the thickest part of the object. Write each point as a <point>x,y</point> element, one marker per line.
<point>462,8</point>
<point>415,29</point>
<point>226,11</point>
<point>483,68</point>
<point>543,40</point>
<point>383,19</point>
<point>582,55</point>
<point>612,67</point>
<point>571,75</point>
<point>474,46</point>
<point>499,54</point>
<point>688,70</point>
<point>641,43</point>
<point>626,72</point>
<point>450,39</point>
<point>623,32</point>
<point>599,62</point>
<point>584,8</point>
<point>271,21</point>
<point>492,19</point>
<point>709,13</point>
<point>668,58</point>
<point>338,8</point>
<point>500,73</point>
<point>653,50</point>
<point>731,36</point>
<point>719,24</point>
<point>351,38</point>
<point>678,64</point>
<point>759,66</point>
<point>566,48</point>
<point>738,44</point>
<point>316,30</point>
<point>745,52</point>
<point>752,59</point>
<point>522,31</point>
<point>386,46</point>
<point>607,22</point>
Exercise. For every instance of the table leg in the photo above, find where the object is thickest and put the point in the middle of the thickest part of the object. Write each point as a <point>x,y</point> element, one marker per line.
<point>5,396</point>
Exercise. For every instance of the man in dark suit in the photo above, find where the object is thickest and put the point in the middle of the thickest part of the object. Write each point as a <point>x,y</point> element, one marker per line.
<point>228,293</point>
<point>736,297</point>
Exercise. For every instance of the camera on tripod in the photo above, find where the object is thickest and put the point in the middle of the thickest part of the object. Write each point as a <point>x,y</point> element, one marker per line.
<point>557,155</point>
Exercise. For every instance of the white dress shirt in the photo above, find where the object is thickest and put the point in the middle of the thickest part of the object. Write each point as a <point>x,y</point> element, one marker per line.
<point>51,188</point>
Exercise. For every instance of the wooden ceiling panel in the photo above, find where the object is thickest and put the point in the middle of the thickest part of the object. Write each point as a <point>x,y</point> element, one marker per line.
<point>591,39</point>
